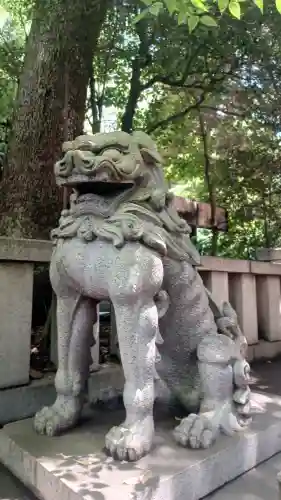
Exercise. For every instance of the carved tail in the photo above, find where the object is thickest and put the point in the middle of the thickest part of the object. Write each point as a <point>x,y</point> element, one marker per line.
<point>226,319</point>
<point>227,323</point>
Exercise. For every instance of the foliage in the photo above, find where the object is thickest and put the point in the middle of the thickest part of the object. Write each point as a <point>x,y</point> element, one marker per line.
<point>196,12</point>
<point>156,74</point>
<point>148,59</point>
<point>14,16</point>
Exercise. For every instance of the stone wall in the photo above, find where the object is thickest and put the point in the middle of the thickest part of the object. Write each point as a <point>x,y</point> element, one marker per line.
<point>252,287</point>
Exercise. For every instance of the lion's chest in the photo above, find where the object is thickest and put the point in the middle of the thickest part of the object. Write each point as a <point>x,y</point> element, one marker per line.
<point>86,267</point>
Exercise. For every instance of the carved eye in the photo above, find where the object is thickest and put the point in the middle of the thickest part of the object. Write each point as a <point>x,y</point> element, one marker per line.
<point>112,153</point>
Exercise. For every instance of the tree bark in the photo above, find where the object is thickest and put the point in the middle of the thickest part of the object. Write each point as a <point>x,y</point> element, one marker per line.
<point>62,41</point>
<point>96,118</point>
<point>209,183</point>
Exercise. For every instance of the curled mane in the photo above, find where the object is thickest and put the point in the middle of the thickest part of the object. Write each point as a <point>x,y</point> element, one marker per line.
<point>144,213</point>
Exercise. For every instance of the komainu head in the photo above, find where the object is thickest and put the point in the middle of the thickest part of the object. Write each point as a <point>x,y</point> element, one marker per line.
<point>107,163</point>
<point>124,173</point>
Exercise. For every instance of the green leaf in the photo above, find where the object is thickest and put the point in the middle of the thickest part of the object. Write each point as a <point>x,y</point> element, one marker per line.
<point>200,5</point>
<point>140,16</point>
<point>208,21</point>
<point>223,4</point>
<point>192,23</point>
<point>147,2</point>
<point>155,8</point>
<point>259,4</point>
<point>171,5</point>
<point>182,17</point>
<point>235,9</point>
<point>278,5</point>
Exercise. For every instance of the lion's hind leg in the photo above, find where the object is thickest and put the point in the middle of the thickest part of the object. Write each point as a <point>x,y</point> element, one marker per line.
<point>219,411</point>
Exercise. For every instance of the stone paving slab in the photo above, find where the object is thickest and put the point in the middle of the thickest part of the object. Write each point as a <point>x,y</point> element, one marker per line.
<point>74,467</point>
<point>11,488</point>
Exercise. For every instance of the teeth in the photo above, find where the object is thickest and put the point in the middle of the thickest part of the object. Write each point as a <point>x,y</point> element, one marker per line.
<point>102,178</point>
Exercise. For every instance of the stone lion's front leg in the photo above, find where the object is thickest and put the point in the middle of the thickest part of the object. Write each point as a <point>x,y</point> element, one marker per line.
<point>75,318</point>
<point>218,412</point>
<point>137,327</point>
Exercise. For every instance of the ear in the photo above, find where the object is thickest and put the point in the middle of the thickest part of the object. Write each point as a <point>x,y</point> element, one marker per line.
<point>150,156</point>
<point>67,146</point>
<point>228,311</point>
<point>147,147</point>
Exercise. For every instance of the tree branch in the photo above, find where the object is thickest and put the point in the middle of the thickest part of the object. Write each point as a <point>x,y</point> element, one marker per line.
<point>197,84</point>
<point>181,114</point>
<point>165,80</point>
<point>224,111</point>
<point>176,83</point>
<point>176,116</point>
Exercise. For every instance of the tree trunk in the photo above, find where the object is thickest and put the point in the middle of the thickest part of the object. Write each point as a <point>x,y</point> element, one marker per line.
<point>61,43</point>
<point>209,183</point>
<point>134,94</point>
<point>140,62</point>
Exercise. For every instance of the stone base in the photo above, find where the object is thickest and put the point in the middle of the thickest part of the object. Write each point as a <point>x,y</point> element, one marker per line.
<point>18,403</point>
<point>258,484</point>
<point>74,467</point>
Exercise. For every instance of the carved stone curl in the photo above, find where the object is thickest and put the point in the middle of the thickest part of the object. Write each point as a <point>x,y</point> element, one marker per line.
<point>122,240</point>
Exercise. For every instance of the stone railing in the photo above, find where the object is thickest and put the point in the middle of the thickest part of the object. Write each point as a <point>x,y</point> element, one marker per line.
<point>252,287</point>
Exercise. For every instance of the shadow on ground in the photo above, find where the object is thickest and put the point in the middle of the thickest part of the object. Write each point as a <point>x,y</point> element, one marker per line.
<point>266,376</point>
<point>11,488</point>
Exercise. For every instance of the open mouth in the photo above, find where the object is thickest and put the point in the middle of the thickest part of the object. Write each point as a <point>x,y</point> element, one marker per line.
<point>108,188</point>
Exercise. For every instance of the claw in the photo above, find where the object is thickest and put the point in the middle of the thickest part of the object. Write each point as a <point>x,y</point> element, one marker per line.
<point>130,443</point>
<point>59,417</point>
<point>195,431</point>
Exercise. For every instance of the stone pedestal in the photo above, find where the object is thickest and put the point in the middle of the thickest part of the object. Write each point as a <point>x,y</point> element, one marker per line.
<point>74,467</point>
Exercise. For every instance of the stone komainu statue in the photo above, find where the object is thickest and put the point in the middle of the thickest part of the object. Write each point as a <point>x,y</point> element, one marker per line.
<point>122,240</point>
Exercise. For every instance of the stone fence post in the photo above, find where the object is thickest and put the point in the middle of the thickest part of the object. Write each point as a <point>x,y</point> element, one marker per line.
<point>17,258</point>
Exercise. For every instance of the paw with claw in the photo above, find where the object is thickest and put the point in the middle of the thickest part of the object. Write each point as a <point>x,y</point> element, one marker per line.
<point>130,442</point>
<point>61,416</point>
<point>196,431</point>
